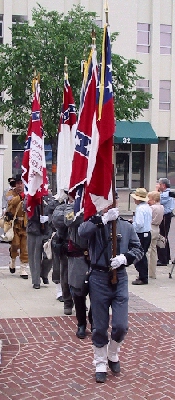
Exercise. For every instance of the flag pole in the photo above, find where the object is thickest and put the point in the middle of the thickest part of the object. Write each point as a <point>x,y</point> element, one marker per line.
<point>35,80</point>
<point>114,279</point>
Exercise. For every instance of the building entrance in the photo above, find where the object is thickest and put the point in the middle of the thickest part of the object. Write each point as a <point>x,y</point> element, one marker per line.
<point>122,170</point>
<point>130,169</point>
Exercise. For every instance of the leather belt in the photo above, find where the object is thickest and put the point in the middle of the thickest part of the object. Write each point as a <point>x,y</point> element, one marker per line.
<point>101,268</point>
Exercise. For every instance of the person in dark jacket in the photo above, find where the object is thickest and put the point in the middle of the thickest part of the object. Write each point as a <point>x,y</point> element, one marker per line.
<point>77,268</point>
<point>38,231</point>
<point>104,293</point>
<point>60,256</point>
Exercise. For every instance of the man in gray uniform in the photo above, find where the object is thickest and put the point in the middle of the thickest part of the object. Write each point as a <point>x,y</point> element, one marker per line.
<point>103,293</point>
<point>60,256</point>
<point>77,268</point>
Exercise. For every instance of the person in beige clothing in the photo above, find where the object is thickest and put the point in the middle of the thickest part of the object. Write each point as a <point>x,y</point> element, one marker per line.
<point>19,243</point>
<point>157,217</point>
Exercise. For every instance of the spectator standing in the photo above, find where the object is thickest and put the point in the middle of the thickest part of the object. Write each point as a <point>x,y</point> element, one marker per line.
<point>168,203</point>
<point>142,225</point>
<point>157,217</point>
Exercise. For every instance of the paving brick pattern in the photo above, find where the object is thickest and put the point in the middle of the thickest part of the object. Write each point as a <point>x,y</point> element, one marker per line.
<point>43,359</point>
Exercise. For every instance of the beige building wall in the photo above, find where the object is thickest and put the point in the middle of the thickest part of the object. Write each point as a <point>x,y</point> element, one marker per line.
<point>123,17</point>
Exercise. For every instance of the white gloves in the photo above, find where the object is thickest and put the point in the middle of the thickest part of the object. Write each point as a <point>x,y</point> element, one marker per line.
<point>117,261</point>
<point>111,215</point>
<point>43,218</point>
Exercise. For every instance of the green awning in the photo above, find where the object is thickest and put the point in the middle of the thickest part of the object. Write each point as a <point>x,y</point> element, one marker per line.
<point>134,133</point>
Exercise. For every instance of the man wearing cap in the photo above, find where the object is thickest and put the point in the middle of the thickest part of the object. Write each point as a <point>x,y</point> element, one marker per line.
<point>142,225</point>
<point>19,242</point>
<point>168,203</point>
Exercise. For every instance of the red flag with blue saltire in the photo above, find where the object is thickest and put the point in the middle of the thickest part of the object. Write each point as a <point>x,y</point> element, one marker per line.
<point>34,173</point>
<point>86,139</point>
<point>66,139</point>
<point>99,181</point>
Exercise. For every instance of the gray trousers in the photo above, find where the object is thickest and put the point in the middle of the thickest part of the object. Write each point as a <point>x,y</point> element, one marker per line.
<point>60,275</point>
<point>102,296</point>
<point>38,267</point>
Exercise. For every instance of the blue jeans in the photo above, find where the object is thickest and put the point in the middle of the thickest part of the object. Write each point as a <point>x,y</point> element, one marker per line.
<point>102,296</point>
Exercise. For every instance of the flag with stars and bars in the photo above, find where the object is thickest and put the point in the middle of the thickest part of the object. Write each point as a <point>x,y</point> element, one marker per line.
<point>86,139</point>
<point>34,173</point>
<point>99,181</point>
<point>66,140</point>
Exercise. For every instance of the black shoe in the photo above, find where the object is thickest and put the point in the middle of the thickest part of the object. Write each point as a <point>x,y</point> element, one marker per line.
<point>160,264</point>
<point>12,270</point>
<point>68,311</point>
<point>114,366</point>
<point>24,276</point>
<point>100,377</point>
<point>81,332</point>
<point>139,282</point>
<point>36,286</point>
<point>45,280</point>
<point>60,298</point>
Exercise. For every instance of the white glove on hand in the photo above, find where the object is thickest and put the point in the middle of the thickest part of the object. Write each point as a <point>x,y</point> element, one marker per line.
<point>111,215</point>
<point>43,218</point>
<point>117,261</point>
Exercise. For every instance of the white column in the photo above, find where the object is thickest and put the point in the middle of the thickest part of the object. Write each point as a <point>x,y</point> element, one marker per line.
<point>2,148</point>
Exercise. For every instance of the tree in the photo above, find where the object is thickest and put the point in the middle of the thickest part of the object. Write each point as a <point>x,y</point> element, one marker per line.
<point>43,46</point>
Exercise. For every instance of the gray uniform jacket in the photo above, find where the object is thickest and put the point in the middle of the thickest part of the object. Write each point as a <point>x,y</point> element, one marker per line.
<point>77,266</point>
<point>100,242</point>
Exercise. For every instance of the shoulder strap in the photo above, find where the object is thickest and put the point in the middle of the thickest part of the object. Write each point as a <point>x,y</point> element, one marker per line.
<point>17,209</point>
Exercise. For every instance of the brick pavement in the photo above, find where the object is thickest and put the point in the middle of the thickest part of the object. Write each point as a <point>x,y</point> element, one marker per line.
<point>43,359</point>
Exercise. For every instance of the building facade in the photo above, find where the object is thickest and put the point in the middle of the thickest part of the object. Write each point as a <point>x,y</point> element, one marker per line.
<point>145,149</point>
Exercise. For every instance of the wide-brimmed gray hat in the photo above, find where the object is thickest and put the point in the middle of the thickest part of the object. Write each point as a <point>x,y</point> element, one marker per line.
<point>140,194</point>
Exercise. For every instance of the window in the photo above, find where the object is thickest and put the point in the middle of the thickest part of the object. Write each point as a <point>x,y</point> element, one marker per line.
<point>98,22</point>
<point>19,18</point>
<point>165,39</point>
<point>143,38</point>
<point>143,84</point>
<point>17,156</point>
<point>1,29</point>
<point>164,95</point>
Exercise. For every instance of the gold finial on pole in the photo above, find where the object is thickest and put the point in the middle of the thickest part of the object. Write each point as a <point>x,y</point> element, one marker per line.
<point>65,68</point>
<point>93,36</point>
<point>35,80</point>
<point>106,8</point>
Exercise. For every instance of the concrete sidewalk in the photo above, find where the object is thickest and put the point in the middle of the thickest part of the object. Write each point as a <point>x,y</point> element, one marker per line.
<point>18,299</point>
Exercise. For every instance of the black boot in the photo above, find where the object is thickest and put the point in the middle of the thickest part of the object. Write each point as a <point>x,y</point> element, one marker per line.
<point>80,309</point>
<point>100,377</point>
<point>81,332</point>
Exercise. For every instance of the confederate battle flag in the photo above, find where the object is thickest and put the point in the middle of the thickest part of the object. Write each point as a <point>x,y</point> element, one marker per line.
<point>86,139</point>
<point>34,173</point>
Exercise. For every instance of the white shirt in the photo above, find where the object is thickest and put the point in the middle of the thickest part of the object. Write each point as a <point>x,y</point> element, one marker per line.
<point>143,218</point>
